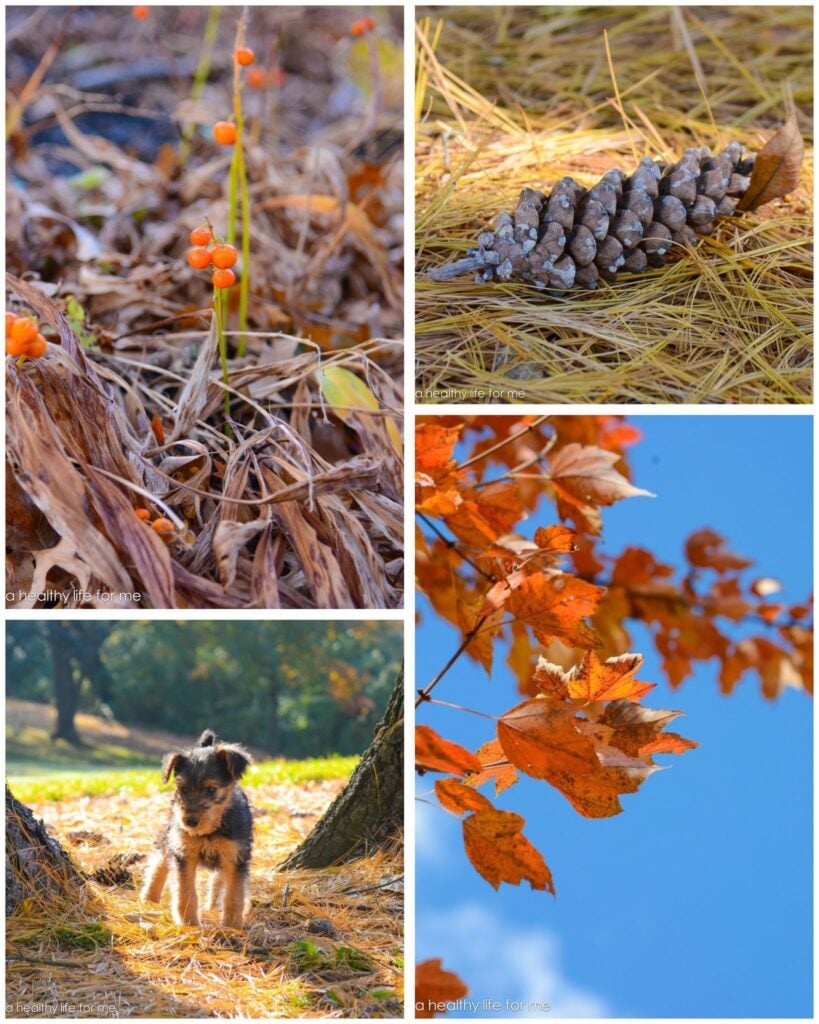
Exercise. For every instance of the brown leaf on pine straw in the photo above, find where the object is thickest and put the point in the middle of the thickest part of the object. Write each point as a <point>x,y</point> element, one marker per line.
<point>262,518</point>
<point>777,167</point>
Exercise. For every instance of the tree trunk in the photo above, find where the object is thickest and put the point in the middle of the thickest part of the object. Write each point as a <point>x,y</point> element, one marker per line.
<point>370,808</point>
<point>36,864</point>
<point>66,688</point>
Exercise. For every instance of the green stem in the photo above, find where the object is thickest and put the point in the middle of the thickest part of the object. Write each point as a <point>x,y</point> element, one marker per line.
<point>244,284</point>
<point>218,308</point>
<point>234,175</point>
<point>199,79</point>
<point>238,182</point>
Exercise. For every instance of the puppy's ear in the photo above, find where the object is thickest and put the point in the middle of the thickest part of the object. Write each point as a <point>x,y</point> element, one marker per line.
<point>171,764</point>
<point>207,739</point>
<point>236,759</point>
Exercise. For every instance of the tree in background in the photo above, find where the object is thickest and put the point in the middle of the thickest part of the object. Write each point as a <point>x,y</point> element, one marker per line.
<point>293,689</point>
<point>582,725</point>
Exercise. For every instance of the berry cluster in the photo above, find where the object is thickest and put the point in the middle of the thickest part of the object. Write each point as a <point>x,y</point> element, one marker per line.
<point>261,78</point>
<point>164,527</point>
<point>361,27</point>
<point>23,337</point>
<point>220,255</point>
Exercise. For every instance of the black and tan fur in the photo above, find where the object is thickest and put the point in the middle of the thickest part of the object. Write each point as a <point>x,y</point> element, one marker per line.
<point>209,825</point>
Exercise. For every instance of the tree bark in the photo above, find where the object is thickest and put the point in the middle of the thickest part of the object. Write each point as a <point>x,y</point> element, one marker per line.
<point>370,809</point>
<point>36,864</point>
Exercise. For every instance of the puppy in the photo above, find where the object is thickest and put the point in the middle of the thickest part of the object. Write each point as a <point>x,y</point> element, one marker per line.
<point>209,825</point>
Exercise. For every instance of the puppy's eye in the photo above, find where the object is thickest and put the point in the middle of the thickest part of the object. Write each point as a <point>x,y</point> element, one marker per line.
<point>211,790</point>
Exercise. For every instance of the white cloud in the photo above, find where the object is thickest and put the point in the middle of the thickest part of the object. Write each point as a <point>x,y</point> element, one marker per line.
<point>519,966</point>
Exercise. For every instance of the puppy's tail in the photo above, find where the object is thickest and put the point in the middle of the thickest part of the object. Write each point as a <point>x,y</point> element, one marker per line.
<point>207,739</point>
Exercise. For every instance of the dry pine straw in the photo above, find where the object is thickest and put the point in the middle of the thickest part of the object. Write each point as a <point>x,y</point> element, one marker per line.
<point>287,511</point>
<point>515,97</point>
<point>151,968</point>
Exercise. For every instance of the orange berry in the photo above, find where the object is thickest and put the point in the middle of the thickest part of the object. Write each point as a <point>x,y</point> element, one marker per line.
<point>24,330</point>
<point>257,78</point>
<point>37,347</point>
<point>143,514</point>
<point>224,256</point>
<point>164,527</point>
<point>199,259</point>
<point>10,318</point>
<point>244,56</point>
<point>225,133</point>
<point>200,236</point>
<point>16,348</point>
<point>140,13</point>
<point>223,278</point>
<point>362,27</point>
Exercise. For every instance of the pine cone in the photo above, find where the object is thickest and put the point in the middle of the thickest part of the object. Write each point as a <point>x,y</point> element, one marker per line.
<point>573,236</point>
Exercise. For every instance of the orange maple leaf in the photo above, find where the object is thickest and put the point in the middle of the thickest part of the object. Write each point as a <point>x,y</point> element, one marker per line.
<point>483,515</point>
<point>433,449</point>
<point>495,766</point>
<point>611,679</point>
<point>637,730</point>
<point>543,740</point>
<point>585,475</point>
<point>435,754</point>
<point>436,490</point>
<point>553,605</point>
<point>494,839</point>
<point>435,987</point>
<point>706,550</point>
<point>557,539</point>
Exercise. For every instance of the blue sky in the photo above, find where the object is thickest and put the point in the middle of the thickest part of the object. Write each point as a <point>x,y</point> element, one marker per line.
<point>696,900</point>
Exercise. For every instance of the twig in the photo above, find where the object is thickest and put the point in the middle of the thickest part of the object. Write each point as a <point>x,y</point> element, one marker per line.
<point>423,695</point>
<point>502,444</point>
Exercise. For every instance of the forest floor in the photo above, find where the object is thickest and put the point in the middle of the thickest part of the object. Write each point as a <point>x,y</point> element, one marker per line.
<point>179,444</point>
<point>316,942</point>
<point>516,97</point>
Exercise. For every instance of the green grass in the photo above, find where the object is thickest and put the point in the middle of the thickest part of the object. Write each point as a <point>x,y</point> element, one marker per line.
<point>30,751</point>
<point>33,781</point>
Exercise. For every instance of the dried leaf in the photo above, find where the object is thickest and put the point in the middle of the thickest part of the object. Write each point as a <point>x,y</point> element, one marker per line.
<point>493,839</point>
<point>705,549</point>
<point>776,168</point>
<point>556,539</point>
<point>637,730</point>
<point>434,988</point>
<point>585,475</point>
<point>611,679</point>
<point>499,851</point>
<point>344,391</point>
<point>434,753</point>
<point>543,740</point>
<point>554,606</point>
<point>495,766</point>
<point>458,798</point>
<point>764,586</point>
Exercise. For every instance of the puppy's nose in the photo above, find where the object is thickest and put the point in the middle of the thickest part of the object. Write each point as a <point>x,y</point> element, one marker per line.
<point>191,820</point>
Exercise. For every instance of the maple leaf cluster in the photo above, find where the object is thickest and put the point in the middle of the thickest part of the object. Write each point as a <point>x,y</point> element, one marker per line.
<point>477,572</point>
<point>584,733</point>
<point>581,727</point>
